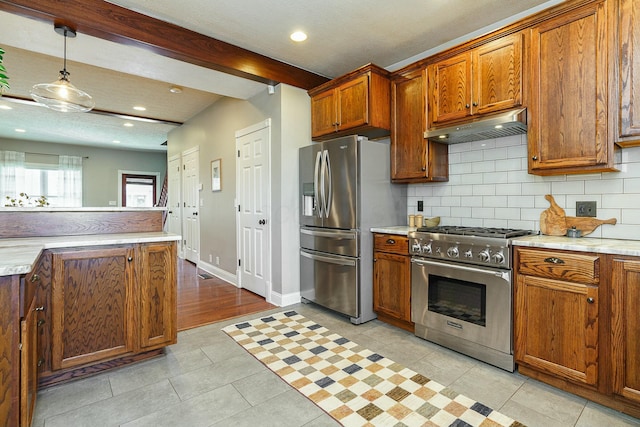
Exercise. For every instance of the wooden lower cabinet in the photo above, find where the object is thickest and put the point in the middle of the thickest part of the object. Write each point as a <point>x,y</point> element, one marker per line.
<point>625,328</point>
<point>92,305</point>
<point>577,325</point>
<point>109,305</point>
<point>392,280</point>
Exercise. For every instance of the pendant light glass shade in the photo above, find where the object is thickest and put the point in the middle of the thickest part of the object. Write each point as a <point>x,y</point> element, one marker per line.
<point>61,95</point>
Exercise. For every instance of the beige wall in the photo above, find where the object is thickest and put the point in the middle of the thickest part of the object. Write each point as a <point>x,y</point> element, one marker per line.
<point>213,131</point>
<point>100,169</point>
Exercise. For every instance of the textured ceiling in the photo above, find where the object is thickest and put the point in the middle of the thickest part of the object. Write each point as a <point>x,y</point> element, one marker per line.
<point>343,35</point>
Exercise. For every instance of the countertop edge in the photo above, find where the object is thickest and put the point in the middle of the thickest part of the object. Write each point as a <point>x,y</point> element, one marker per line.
<point>19,255</point>
<point>401,230</point>
<point>581,244</point>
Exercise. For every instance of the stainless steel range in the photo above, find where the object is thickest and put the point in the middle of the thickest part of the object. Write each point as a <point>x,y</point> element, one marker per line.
<point>461,290</point>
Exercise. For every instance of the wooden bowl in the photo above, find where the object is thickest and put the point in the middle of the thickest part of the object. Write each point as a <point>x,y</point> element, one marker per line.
<point>432,222</point>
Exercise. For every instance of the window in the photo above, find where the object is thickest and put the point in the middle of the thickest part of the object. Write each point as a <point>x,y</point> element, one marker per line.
<point>58,178</point>
<point>138,191</point>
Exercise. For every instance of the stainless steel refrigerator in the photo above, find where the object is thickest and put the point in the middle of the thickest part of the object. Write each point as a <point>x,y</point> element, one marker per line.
<point>345,190</point>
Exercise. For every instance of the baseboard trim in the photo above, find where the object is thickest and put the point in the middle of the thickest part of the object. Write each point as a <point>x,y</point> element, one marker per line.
<point>284,300</point>
<point>218,272</point>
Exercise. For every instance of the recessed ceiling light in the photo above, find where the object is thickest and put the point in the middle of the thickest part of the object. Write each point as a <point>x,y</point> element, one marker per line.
<point>140,108</point>
<point>20,130</point>
<point>128,125</point>
<point>298,36</point>
<point>175,89</point>
<point>5,107</point>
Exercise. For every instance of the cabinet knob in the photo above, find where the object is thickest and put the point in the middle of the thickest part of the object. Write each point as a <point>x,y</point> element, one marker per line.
<point>40,362</point>
<point>41,322</point>
<point>590,300</point>
<point>35,278</point>
<point>475,104</point>
<point>375,260</point>
<point>130,259</point>
<point>534,158</point>
<point>424,168</point>
<point>467,106</point>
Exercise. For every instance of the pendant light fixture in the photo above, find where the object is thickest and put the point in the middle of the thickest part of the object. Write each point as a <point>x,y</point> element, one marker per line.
<point>61,95</point>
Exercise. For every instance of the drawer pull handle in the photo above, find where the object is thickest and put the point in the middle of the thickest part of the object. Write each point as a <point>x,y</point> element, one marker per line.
<point>35,278</point>
<point>391,241</point>
<point>554,260</point>
<point>590,300</point>
<point>41,308</point>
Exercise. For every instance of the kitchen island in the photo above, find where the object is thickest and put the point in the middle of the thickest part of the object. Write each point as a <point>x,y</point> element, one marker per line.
<point>82,290</point>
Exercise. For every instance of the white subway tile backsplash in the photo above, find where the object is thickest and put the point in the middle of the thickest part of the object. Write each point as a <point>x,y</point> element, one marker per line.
<point>489,185</point>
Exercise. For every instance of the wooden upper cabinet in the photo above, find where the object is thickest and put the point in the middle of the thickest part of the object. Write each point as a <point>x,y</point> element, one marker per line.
<point>483,80</point>
<point>413,159</point>
<point>625,345</point>
<point>627,21</point>
<point>358,102</point>
<point>497,73</point>
<point>568,121</point>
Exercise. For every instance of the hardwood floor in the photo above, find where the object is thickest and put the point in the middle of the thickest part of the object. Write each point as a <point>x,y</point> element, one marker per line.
<point>204,301</point>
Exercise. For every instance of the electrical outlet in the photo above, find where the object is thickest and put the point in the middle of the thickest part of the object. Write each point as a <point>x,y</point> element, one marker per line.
<point>420,205</point>
<point>210,257</point>
<point>217,260</point>
<point>586,209</point>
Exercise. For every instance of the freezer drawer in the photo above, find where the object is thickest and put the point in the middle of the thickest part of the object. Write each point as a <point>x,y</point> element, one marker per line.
<point>338,242</point>
<point>330,281</point>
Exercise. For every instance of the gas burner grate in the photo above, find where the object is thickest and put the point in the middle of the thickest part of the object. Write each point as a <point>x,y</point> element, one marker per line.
<point>476,231</point>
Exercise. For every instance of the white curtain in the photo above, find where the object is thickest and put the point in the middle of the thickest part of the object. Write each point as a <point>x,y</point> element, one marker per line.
<point>70,181</point>
<point>11,175</point>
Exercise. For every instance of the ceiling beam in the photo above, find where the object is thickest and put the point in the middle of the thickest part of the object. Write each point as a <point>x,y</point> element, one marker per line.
<point>107,21</point>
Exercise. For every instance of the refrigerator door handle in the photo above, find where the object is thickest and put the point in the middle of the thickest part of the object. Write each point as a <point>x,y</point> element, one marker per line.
<point>316,182</point>
<point>350,235</point>
<point>339,261</point>
<point>327,199</point>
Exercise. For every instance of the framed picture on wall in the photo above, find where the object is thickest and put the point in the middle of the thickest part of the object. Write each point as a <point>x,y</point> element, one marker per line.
<point>216,175</point>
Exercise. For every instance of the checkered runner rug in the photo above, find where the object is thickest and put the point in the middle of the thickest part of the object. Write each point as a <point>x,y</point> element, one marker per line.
<point>356,386</point>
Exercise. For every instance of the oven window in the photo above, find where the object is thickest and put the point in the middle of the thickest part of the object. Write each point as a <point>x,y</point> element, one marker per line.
<point>460,299</point>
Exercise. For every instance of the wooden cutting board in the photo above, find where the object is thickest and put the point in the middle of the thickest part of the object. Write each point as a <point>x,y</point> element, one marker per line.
<point>554,222</point>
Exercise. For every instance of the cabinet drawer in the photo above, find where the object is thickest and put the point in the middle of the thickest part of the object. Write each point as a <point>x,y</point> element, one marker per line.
<point>572,267</point>
<point>391,243</point>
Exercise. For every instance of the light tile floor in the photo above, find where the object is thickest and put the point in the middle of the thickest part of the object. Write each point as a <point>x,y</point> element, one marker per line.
<point>206,379</point>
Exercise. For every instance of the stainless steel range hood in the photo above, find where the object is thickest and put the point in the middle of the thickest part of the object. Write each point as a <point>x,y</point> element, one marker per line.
<point>512,122</point>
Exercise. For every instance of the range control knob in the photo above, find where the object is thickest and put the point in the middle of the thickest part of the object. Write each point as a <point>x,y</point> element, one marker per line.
<point>416,248</point>
<point>498,258</point>
<point>452,252</point>
<point>426,249</point>
<point>484,255</point>
<point>468,254</point>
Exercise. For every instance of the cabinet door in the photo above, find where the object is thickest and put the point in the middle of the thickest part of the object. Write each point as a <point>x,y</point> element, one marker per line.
<point>324,118</point>
<point>92,305</point>
<point>629,79</point>
<point>391,285</point>
<point>568,110</point>
<point>353,103</point>
<point>625,343</point>
<point>408,157</point>
<point>157,295</point>
<point>450,89</point>
<point>497,73</point>
<point>29,364</point>
<point>556,328</point>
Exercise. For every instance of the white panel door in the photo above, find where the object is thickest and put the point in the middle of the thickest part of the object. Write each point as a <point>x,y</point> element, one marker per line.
<point>190,223</point>
<point>254,198</point>
<point>174,224</point>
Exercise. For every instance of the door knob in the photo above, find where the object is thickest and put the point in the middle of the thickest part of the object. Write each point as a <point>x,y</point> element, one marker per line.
<point>195,213</point>
<point>262,222</point>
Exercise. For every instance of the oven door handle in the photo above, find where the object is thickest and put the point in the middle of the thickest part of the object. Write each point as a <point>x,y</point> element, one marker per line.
<point>503,274</point>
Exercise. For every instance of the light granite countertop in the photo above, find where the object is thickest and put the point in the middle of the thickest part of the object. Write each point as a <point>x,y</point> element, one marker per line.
<point>581,244</point>
<point>402,230</point>
<point>18,256</point>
